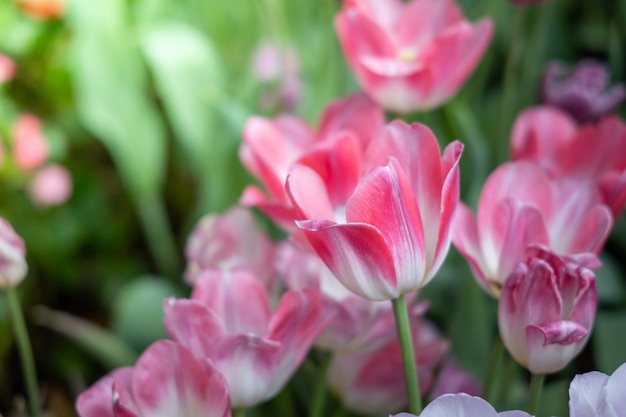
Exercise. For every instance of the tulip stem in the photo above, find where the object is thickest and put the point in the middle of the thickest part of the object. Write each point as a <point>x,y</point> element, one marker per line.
<point>534,392</point>
<point>401,315</point>
<point>494,366</point>
<point>320,393</point>
<point>26,352</point>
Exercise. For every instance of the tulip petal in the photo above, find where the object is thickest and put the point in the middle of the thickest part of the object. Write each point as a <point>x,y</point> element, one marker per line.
<point>615,398</point>
<point>97,401</point>
<point>308,194</point>
<point>586,393</point>
<point>169,381</point>
<point>123,405</point>
<point>459,405</point>
<point>384,199</point>
<point>421,21</point>
<point>552,346</point>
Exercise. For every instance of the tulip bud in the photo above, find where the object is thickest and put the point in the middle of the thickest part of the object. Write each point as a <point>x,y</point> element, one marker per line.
<point>546,310</point>
<point>7,68</point>
<point>13,266</point>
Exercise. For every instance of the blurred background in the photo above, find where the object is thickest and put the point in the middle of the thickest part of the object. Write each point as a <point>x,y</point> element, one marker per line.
<point>142,103</point>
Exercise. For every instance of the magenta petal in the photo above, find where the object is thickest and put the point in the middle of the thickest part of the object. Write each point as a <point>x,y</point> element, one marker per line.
<point>358,256</point>
<point>551,347</point>
<point>423,20</point>
<point>97,401</point>
<point>123,404</point>
<point>385,200</point>
<point>169,381</point>
<point>562,332</point>
<point>308,193</point>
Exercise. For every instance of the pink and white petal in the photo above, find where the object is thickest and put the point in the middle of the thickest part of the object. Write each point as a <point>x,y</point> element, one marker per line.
<point>539,133</point>
<point>123,404</point>
<point>453,57</point>
<point>237,297</point>
<point>401,94</point>
<point>615,398</point>
<point>97,401</point>
<point>193,325</point>
<point>449,203</point>
<point>385,13</point>
<point>357,254</point>
<point>169,381</point>
<point>586,302</point>
<point>546,354</point>
<point>249,364</point>
<point>384,199</point>
<point>424,20</point>
<point>459,405</point>
<point>612,187</point>
<point>586,393</point>
<point>308,193</point>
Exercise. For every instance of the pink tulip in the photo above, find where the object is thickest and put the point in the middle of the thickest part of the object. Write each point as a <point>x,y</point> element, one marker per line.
<point>271,147</point>
<point>13,267</point>
<point>51,186</point>
<point>462,405</point>
<point>373,382</point>
<point>358,324</point>
<point>454,380</point>
<point>410,56</point>
<point>232,240</point>
<point>166,381</point>
<point>30,148</point>
<point>7,68</point>
<point>518,206</point>
<point>229,321</point>
<point>595,394</point>
<point>583,91</point>
<point>594,151</point>
<point>546,311</point>
<point>390,234</point>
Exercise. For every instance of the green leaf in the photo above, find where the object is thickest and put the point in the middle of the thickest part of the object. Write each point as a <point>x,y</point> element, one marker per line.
<point>110,88</point>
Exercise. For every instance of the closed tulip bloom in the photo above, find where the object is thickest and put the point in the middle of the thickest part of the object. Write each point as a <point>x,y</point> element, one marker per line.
<point>546,311</point>
<point>229,320</point>
<point>410,56</point>
<point>583,92</point>
<point>13,267</point>
<point>166,381</point>
<point>462,405</point>
<point>595,394</point>
<point>390,234</point>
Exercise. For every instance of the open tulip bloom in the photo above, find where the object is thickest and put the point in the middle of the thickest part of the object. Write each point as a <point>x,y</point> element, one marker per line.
<point>595,394</point>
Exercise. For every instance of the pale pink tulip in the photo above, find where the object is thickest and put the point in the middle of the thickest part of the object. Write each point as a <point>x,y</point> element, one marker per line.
<point>462,405</point>
<point>546,311</point>
<point>13,267</point>
<point>410,56</point>
<point>229,321</point>
<point>390,234</point>
<point>166,381</point>
<point>373,382</point>
<point>358,324</point>
<point>271,147</point>
<point>232,240</point>
<point>519,205</point>
<point>7,68</point>
<point>51,186</point>
<point>595,394</point>
<point>30,148</point>
<point>593,151</point>
<point>583,92</point>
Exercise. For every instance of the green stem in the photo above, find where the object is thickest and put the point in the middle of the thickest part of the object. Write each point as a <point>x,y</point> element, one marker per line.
<point>157,231</point>
<point>320,393</point>
<point>26,352</point>
<point>239,412</point>
<point>494,366</point>
<point>511,369</point>
<point>507,89</point>
<point>408,354</point>
<point>534,392</point>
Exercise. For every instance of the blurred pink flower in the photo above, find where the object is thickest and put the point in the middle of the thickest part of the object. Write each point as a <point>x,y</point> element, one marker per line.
<point>595,394</point>
<point>373,382</point>
<point>7,68</point>
<point>272,62</point>
<point>462,405</point>
<point>385,232</point>
<point>546,311</point>
<point>51,186</point>
<point>518,206</point>
<point>583,92</point>
<point>454,380</point>
<point>358,324</point>
<point>594,151</point>
<point>232,240</point>
<point>229,321</point>
<point>410,56</point>
<point>271,147</point>
<point>13,267</point>
<point>30,148</point>
<point>166,381</point>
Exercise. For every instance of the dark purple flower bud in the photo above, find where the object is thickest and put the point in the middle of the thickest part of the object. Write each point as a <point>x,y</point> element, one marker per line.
<point>583,91</point>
